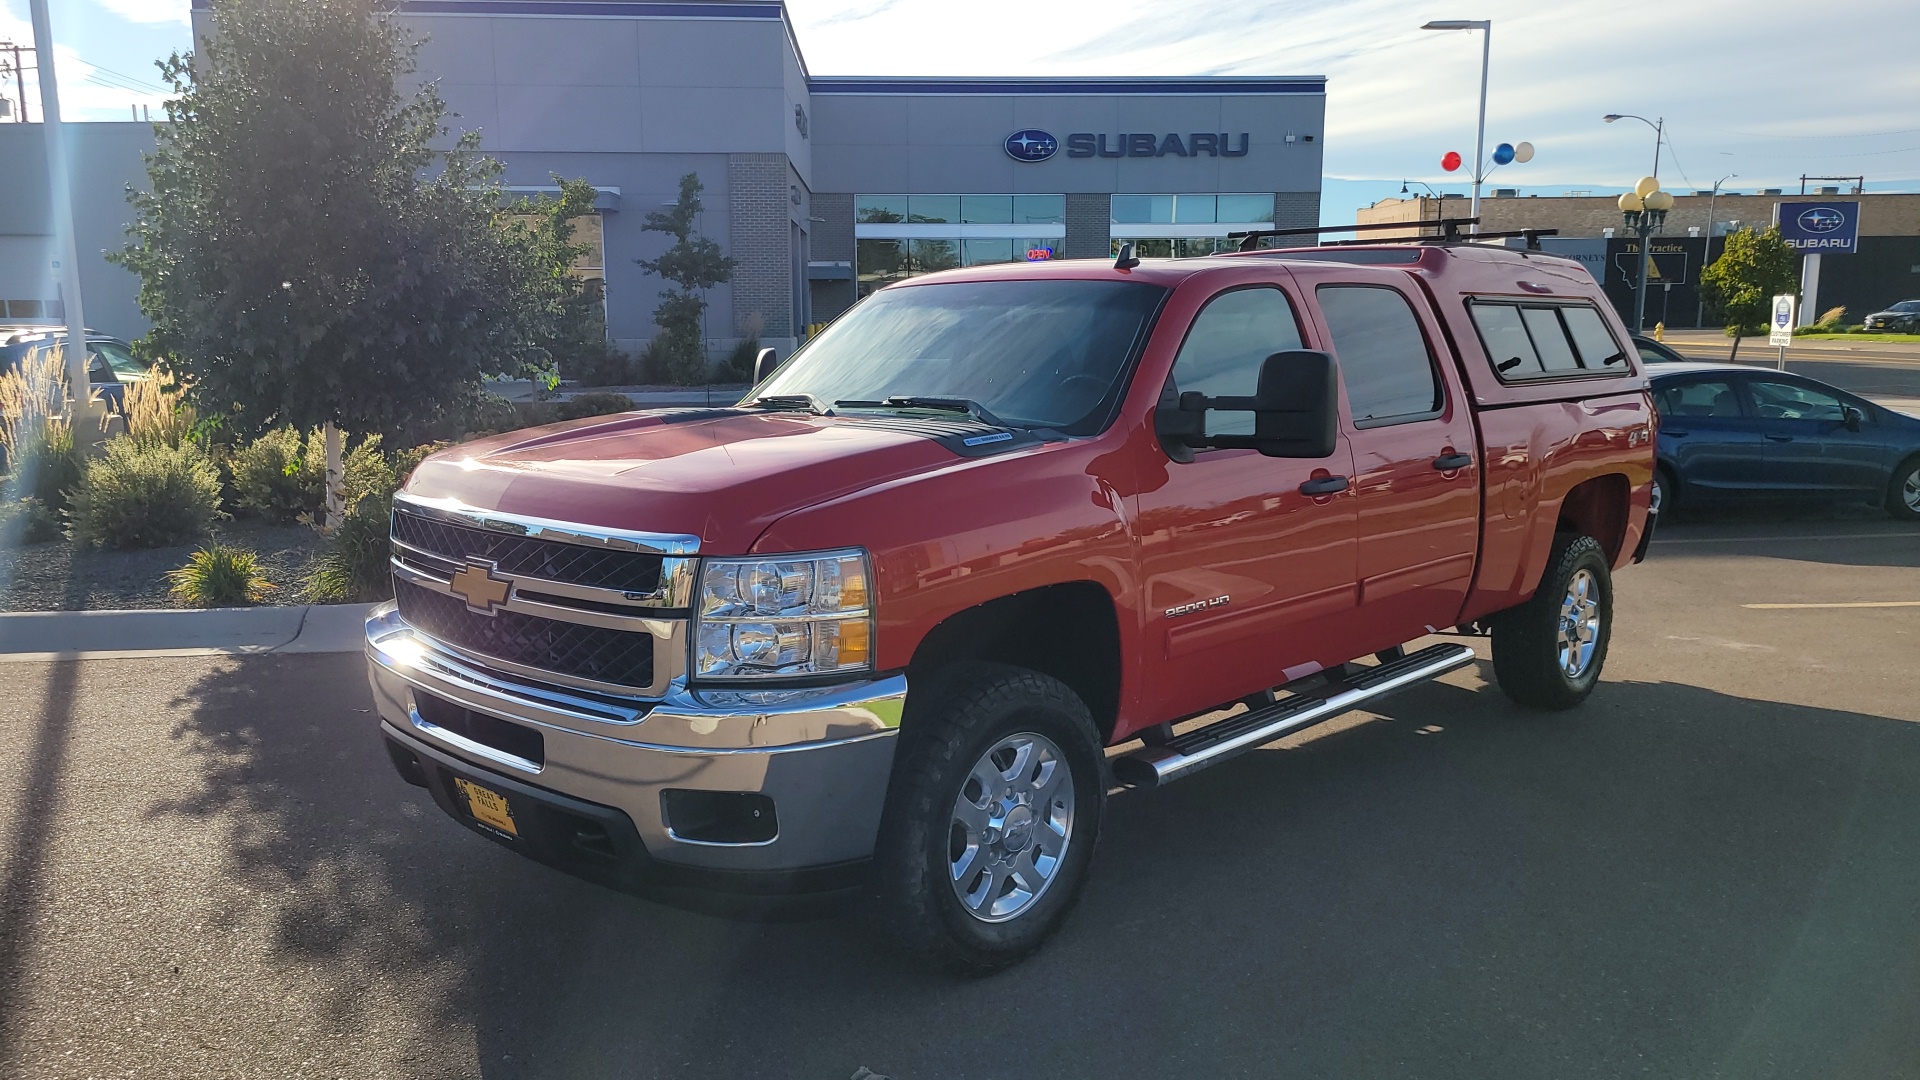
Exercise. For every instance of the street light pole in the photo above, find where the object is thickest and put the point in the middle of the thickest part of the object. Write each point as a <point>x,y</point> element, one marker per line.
<point>59,183</point>
<point>1659,127</point>
<point>1485,26</point>
<point>1706,249</point>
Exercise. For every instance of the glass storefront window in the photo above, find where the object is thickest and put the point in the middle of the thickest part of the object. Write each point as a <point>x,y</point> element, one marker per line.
<point>931,209</point>
<point>1143,209</point>
<point>1040,209</point>
<point>880,208</point>
<point>1240,209</point>
<point>879,263</point>
<point>1186,247</point>
<point>986,209</point>
<point>927,256</point>
<point>981,252</point>
<point>1193,210</point>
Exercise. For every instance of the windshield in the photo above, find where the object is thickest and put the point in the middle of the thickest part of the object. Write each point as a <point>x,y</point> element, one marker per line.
<point>1032,353</point>
<point>1906,305</point>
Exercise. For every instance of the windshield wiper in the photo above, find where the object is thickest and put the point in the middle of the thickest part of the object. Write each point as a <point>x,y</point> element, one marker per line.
<point>793,402</point>
<point>941,404</point>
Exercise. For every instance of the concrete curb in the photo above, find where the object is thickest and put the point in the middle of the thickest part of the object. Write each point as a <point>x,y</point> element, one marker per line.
<point>39,636</point>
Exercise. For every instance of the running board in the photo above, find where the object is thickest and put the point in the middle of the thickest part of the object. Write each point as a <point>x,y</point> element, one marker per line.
<point>1187,754</point>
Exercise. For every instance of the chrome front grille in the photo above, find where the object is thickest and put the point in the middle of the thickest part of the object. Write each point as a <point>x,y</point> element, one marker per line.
<point>596,653</point>
<point>593,609</point>
<point>630,572</point>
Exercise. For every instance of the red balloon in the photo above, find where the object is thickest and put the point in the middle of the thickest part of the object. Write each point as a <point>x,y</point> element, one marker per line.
<point>1451,161</point>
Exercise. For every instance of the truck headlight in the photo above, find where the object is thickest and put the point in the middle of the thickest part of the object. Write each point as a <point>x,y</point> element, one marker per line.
<point>785,616</point>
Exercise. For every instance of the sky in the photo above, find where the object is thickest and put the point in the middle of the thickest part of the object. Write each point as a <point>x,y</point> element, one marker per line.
<point>1764,89</point>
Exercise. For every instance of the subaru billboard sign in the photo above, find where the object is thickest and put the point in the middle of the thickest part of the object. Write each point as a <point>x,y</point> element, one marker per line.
<point>1031,144</point>
<point>1821,227</point>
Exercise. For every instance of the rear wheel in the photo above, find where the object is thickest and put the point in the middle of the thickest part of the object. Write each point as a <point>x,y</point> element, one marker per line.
<point>991,819</point>
<point>1548,652</point>
<point>1903,492</point>
<point>1663,488</point>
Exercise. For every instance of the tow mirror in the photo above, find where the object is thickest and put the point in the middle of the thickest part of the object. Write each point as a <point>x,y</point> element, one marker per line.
<point>763,365</point>
<point>1851,417</point>
<point>1295,407</point>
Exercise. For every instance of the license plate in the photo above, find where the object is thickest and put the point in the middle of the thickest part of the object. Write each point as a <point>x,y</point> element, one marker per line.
<point>487,806</point>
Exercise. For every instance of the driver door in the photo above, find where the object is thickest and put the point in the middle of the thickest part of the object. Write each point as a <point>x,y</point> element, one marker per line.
<point>1249,580</point>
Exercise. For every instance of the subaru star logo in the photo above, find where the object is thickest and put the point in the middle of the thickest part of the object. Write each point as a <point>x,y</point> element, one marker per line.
<point>1031,145</point>
<point>1822,219</point>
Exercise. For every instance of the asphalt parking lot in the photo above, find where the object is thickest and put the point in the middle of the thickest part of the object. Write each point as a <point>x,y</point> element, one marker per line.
<point>208,869</point>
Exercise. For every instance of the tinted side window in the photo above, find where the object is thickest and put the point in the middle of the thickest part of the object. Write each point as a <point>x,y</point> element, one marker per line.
<point>1598,349</point>
<point>1229,340</point>
<point>1382,353</point>
<point>1549,340</point>
<point>1710,398</point>
<point>1792,401</point>
<point>1505,337</point>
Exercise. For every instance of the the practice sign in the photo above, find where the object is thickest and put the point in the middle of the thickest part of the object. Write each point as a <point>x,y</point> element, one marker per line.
<point>1828,227</point>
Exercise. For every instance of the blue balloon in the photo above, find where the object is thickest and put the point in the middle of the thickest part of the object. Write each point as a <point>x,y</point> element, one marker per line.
<point>1503,154</point>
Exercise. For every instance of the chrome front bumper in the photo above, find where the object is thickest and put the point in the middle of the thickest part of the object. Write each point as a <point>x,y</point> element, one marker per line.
<point>822,755</point>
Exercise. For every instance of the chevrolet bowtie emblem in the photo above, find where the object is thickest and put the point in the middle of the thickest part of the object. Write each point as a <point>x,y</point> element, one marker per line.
<point>482,591</point>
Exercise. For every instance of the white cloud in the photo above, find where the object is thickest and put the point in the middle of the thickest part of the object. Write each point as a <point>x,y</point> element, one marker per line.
<point>1745,87</point>
<point>151,11</point>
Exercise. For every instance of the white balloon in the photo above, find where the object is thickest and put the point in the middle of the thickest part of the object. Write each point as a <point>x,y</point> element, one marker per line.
<point>1523,152</point>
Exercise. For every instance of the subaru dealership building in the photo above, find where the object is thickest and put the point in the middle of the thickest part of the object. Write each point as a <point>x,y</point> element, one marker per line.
<point>821,189</point>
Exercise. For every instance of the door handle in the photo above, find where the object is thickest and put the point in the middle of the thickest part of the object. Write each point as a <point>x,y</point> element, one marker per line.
<point>1779,438</point>
<point>1325,485</point>
<point>1450,462</point>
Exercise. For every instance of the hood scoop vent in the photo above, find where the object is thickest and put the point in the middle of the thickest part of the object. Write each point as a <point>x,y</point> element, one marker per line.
<point>966,438</point>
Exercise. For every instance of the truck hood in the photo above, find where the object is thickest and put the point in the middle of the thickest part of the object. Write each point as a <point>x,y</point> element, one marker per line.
<point>721,475</point>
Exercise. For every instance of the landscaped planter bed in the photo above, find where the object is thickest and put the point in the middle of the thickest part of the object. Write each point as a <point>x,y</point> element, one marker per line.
<point>58,576</point>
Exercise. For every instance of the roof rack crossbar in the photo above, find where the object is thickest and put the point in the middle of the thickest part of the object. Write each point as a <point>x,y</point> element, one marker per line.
<point>1250,241</point>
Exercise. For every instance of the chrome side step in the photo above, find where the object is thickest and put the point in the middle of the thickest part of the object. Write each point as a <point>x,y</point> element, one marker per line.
<point>1187,754</point>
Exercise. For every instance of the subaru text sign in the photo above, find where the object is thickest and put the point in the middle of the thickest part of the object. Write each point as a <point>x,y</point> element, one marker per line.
<point>1031,144</point>
<point>1825,227</point>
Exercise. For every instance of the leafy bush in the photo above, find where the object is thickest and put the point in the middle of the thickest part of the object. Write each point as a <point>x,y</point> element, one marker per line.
<point>51,466</point>
<point>145,496</point>
<point>283,478</point>
<point>598,364</point>
<point>35,524</point>
<point>738,366</point>
<point>219,576</point>
<point>355,567</point>
<point>601,404</point>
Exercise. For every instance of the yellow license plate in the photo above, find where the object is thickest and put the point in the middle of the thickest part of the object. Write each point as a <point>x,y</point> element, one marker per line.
<point>488,807</point>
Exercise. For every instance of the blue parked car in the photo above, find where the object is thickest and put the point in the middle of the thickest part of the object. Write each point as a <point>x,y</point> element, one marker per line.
<point>1740,434</point>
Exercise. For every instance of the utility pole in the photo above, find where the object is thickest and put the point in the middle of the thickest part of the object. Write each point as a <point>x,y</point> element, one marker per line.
<point>19,73</point>
<point>60,193</point>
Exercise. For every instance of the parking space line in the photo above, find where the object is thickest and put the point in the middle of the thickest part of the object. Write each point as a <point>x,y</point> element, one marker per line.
<point>1857,604</point>
<point>1759,539</point>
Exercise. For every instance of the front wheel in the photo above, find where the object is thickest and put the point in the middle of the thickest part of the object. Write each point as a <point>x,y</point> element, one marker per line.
<point>991,819</point>
<point>1903,493</point>
<point>1547,653</point>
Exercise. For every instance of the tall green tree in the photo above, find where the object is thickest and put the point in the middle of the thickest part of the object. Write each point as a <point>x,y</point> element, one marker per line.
<point>1753,268</point>
<point>309,255</point>
<point>693,264</point>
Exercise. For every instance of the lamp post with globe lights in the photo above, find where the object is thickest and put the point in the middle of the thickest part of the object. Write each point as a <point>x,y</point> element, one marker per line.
<point>1645,212</point>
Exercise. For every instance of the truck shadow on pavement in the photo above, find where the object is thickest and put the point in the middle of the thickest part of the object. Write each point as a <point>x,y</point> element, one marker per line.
<point>1670,879</point>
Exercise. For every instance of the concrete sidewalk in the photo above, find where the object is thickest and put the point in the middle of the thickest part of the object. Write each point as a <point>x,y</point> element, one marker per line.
<point>100,635</point>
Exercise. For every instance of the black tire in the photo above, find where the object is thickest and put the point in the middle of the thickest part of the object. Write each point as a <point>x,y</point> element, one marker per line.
<point>975,709</point>
<point>1898,502</point>
<point>1527,659</point>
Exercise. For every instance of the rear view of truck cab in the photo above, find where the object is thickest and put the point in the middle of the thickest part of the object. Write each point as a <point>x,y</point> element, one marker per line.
<point>895,621</point>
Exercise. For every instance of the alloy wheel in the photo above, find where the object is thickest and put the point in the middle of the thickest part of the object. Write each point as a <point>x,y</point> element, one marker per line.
<point>1579,629</point>
<point>1012,822</point>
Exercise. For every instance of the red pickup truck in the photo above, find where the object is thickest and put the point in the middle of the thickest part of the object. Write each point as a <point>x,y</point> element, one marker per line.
<point>996,539</point>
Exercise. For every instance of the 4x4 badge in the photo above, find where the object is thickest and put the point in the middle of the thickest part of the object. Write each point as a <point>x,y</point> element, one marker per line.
<point>482,591</point>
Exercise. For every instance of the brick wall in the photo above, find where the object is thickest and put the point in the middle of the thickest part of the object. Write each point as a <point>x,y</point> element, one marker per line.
<point>832,238</point>
<point>759,210</point>
<point>1296,209</point>
<point>1089,227</point>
